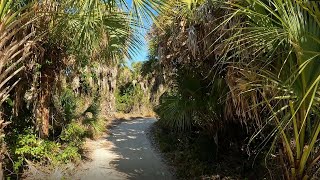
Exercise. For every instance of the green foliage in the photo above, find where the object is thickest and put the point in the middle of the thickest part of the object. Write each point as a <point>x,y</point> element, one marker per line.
<point>133,91</point>
<point>95,126</point>
<point>136,70</point>
<point>264,56</point>
<point>104,32</point>
<point>150,66</point>
<point>72,106</point>
<point>129,97</point>
<point>287,76</point>
<point>67,148</point>
<point>69,154</point>
<point>85,85</point>
<point>194,101</point>
<point>175,112</point>
<point>194,155</point>
<point>68,103</point>
<point>29,147</point>
<point>73,134</point>
<point>124,102</point>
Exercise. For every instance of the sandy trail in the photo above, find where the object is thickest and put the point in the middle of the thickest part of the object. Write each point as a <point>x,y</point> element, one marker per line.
<point>126,153</point>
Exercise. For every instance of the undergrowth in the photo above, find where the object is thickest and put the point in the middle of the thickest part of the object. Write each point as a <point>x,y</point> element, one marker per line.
<point>29,147</point>
<point>65,145</point>
<point>131,98</point>
<point>196,156</point>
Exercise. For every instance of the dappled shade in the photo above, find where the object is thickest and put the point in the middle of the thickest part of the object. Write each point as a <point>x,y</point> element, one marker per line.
<point>137,157</point>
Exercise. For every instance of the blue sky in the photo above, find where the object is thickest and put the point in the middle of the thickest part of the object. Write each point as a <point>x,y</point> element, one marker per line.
<point>143,52</point>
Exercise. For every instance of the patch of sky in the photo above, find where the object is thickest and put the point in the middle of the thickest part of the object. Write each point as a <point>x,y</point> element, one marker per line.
<point>142,53</point>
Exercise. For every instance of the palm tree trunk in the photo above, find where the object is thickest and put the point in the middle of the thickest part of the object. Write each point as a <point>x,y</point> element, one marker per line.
<point>108,77</point>
<point>43,108</point>
<point>43,113</point>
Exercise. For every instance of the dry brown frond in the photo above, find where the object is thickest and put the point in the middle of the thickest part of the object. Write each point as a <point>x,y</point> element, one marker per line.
<point>242,100</point>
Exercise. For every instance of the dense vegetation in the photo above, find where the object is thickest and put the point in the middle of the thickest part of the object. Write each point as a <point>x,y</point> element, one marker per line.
<point>58,73</point>
<point>235,84</point>
<point>243,74</point>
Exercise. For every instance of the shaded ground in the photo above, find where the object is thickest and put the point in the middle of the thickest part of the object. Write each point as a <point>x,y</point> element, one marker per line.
<point>125,154</point>
<point>99,168</point>
<point>194,155</point>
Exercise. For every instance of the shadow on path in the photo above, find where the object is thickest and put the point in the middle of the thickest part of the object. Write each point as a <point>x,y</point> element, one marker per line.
<point>137,158</point>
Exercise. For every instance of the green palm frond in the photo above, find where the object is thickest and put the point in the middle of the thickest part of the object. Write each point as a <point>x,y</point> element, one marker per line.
<point>176,112</point>
<point>284,36</point>
<point>86,23</point>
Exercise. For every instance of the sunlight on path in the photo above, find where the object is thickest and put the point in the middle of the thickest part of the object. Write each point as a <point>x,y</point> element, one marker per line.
<point>137,159</point>
<point>99,167</point>
<point>126,154</point>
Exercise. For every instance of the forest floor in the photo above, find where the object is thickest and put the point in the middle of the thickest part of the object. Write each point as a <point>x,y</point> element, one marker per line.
<point>125,152</point>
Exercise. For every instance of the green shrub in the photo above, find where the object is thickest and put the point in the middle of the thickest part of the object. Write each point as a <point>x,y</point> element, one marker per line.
<point>192,104</point>
<point>69,154</point>
<point>129,98</point>
<point>124,103</point>
<point>29,147</point>
<point>94,126</point>
<point>176,112</point>
<point>85,85</point>
<point>73,134</point>
<point>68,103</point>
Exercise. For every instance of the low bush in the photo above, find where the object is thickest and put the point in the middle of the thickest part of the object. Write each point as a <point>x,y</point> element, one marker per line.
<point>124,99</point>
<point>29,147</point>
<point>68,103</point>
<point>195,156</point>
<point>190,156</point>
<point>95,126</point>
<point>73,134</point>
<point>69,154</point>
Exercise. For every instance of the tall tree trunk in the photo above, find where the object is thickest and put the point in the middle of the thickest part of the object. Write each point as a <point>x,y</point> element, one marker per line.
<point>112,87</point>
<point>46,85</point>
<point>108,78</point>
<point>51,65</point>
<point>43,113</point>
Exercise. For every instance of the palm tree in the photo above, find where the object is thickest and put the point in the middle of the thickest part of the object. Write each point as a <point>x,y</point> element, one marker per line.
<point>182,47</point>
<point>280,40</point>
<point>107,28</point>
<point>14,50</point>
<point>102,31</point>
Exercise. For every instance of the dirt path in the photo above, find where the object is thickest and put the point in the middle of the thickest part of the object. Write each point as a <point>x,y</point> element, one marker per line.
<point>125,154</point>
